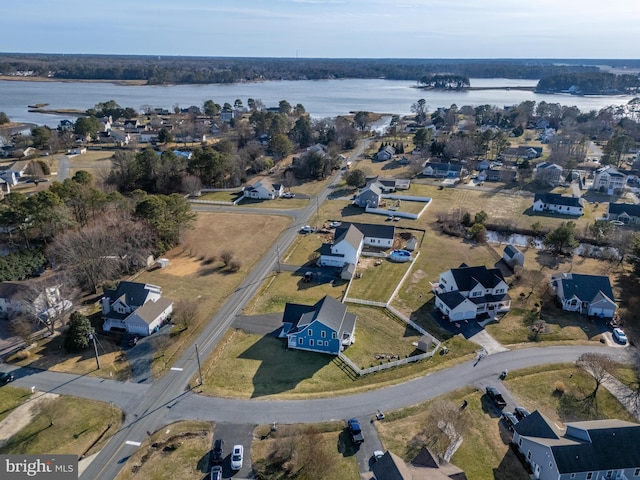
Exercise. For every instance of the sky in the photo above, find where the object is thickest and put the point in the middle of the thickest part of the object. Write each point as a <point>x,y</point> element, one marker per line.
<point>326,28</point>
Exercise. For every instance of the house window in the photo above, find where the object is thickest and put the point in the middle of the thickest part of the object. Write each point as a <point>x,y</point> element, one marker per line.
<point>589,475</point>
<point>573,475</point>
<point>311,342</point>
<point>520,442</point>
<point>300,341</point>
<point>609,474</point>
<point>637,472</point>
<point>334,335</point>
<point>529,455</point>
<point>443,281</point>
<point>501,290</point>
<point>310,332</point>
<point>326,343</point>
<point>323,334</point>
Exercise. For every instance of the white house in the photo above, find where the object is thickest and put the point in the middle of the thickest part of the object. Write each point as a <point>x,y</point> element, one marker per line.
<point>465,292</point>
<point>549,173</point>
<point>43,301</point>
<point>263,190</point>
<point>15,171</point>
<point>349,240</point>
<point>512,256</point>
<point>609,180</point>
<point>590,450</point>
<point>442,170</point>
<point>587,294</point>
<point>556,203</point>
<point>135,308</point>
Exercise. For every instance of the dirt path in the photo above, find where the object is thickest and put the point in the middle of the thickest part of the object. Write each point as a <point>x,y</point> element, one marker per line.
<point>22,415</point>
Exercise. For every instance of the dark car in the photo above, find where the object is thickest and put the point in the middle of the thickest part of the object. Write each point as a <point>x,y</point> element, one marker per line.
<point>5,378</point>
<point>496,397</point>
<point>355,431</point>
<point>218,451</point>
<point>521,412</point>
<point>216,473</point>
<point>510,420</point>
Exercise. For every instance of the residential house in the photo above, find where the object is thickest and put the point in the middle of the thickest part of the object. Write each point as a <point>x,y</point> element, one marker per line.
<point>263,190</point>
<point>627,213</point>
<point>31,297</point>
<point>386,153</point>
<point>497,174</point>
<point>425,466</point>
<point>548,135</point>
<point>4,188</point>
<point>349,240</point>
<point>325,327</point>
<point>542,124</point>
<point>318,148</point>
<point>15,171</point>
<point>465,292</point>
<point>66,125</point>
<point>587,294</point>
<point>389,185</point>
<point>135,308</point>
<point>226,116</point>
<point>442,170</point>
<point>591,450</point>
<point>522,152</point>
<point>512,256</point>
<point>609,180</point>
<point>148,136</point>
<point>132,126</point>
<point>549,174</point>
<point>554,202</point>
<point>369,196</point>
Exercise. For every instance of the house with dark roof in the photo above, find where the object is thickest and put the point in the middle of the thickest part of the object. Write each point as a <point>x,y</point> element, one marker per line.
<point>512,256</point>
<point>42,300</point>
<point>425,466</point>
<point>325,327</point>
<point>369,196</point>
<point>350,238</point>
<point>627,213</point>
<point>263,190</point>
<point>549,174</point>
<point>135,308</point>
<point>522,152</point>
<point>442,170</point>
<point>609,180</point>
<point>590,450</point>
<point>385,153</point>
<point>587,294</point>
<point>465,292</point>
<point>556,203</point>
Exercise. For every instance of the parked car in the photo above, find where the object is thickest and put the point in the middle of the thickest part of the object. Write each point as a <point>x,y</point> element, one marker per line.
<point>521,412</point>
<point>218,452</point>
<point>510,420</point>
<point>236,457</point>
<point>6,377</point>
<point>377,455</point>
<point>355,431</point>
<point>619,336</point>
<point>288,195</point>
<point>335,224</point>
<point>496,397</point>
<point>307,229</point>
<point>216,473</point>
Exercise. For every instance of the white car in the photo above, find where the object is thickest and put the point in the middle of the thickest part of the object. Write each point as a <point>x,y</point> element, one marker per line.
<point>306,229</point>
<point>619,336</point>
<point>288,195</point>
<point>236,457</point>
<point>335,224</point>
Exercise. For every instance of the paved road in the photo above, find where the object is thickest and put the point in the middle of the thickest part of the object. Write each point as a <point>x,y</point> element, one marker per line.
<point>174,385</point>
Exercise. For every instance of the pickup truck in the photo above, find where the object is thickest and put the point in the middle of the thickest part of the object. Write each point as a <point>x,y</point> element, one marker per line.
<point>496,397</point>
<point>355,431</point>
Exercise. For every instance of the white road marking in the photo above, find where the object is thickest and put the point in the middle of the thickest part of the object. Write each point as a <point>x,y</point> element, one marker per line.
<point>177,369</point>
<point>135,444</point>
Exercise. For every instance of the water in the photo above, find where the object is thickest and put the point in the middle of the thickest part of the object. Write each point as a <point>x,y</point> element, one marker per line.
<point>321,98</point>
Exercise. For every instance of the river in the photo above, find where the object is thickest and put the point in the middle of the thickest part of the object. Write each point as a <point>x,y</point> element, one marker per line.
<point>321,98</point>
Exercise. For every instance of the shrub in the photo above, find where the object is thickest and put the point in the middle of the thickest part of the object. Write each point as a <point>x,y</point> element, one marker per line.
<point>559,388</point>
<point>226,256</point>
<point>234,264</point>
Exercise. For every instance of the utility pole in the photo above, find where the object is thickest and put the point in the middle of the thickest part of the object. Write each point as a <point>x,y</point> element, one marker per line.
<point>92,337</point>
<point>278,256</point>
<point>199,368</point>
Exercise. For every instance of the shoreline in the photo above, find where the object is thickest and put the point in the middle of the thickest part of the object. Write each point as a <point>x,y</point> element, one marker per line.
<point>125,83</point>
<point>12,128</point>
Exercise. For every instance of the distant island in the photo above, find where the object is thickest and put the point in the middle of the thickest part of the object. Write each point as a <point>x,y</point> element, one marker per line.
<point>555,76</point>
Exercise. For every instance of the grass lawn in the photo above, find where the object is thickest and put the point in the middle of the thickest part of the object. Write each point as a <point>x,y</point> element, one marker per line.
<point>253,366</point>
<point>380,333</point>
<point>283,287</point>
<point>66,425</point>
<point>378,281</point>
<point>535,389</point>
<point>484,452</point>
<point>389,169</point>
<point>279,203</point>
<point>331,446</point>
<point>181,451</point>
<point>220,196</point>
<point>10,398</point>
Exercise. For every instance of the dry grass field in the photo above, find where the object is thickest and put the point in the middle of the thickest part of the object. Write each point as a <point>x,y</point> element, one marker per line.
<point>175,452</point>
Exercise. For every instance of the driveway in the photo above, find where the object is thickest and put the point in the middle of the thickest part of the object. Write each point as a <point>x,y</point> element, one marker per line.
<point>371,443</point>
<point>266,324</point>
<point>235,434</point>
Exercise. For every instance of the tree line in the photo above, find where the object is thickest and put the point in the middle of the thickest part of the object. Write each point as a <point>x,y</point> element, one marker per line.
<point>588,83</point>
<point>201,70</point>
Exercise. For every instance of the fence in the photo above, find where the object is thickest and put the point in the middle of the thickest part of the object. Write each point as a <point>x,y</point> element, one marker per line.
<point>365,302</point>
<point>384,366</point>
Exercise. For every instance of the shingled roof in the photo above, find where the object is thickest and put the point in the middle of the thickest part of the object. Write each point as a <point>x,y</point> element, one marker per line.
<point>585,287</point>
<point>557,199</point>
<point>467,277</point>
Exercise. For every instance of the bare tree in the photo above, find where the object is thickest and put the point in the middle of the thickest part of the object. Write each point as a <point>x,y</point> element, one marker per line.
<point>186,312</point>
<point>50,409</point>
<point>598,366</point>
<point>191,184</point>
<point>22,327</point>
<point>446,423</point>
<point>226,256</point>
<point>48,301</point>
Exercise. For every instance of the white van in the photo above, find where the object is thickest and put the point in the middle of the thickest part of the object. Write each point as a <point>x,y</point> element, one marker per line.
<point>236,457</point>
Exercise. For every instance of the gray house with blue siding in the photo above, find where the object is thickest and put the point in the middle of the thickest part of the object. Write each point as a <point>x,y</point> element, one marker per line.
<point>592,450</point>
<point>325,327</point>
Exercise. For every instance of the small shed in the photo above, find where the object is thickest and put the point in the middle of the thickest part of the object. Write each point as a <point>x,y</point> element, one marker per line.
<point>412,243</point>
<point>425,343</point>
<point>163,262</point>
<point>513,256</point>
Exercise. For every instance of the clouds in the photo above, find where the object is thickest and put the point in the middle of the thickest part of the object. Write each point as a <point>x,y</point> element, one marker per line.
<point>327,28</point>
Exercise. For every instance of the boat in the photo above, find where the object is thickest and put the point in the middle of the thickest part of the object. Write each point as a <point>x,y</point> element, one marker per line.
<point>400,256</point>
